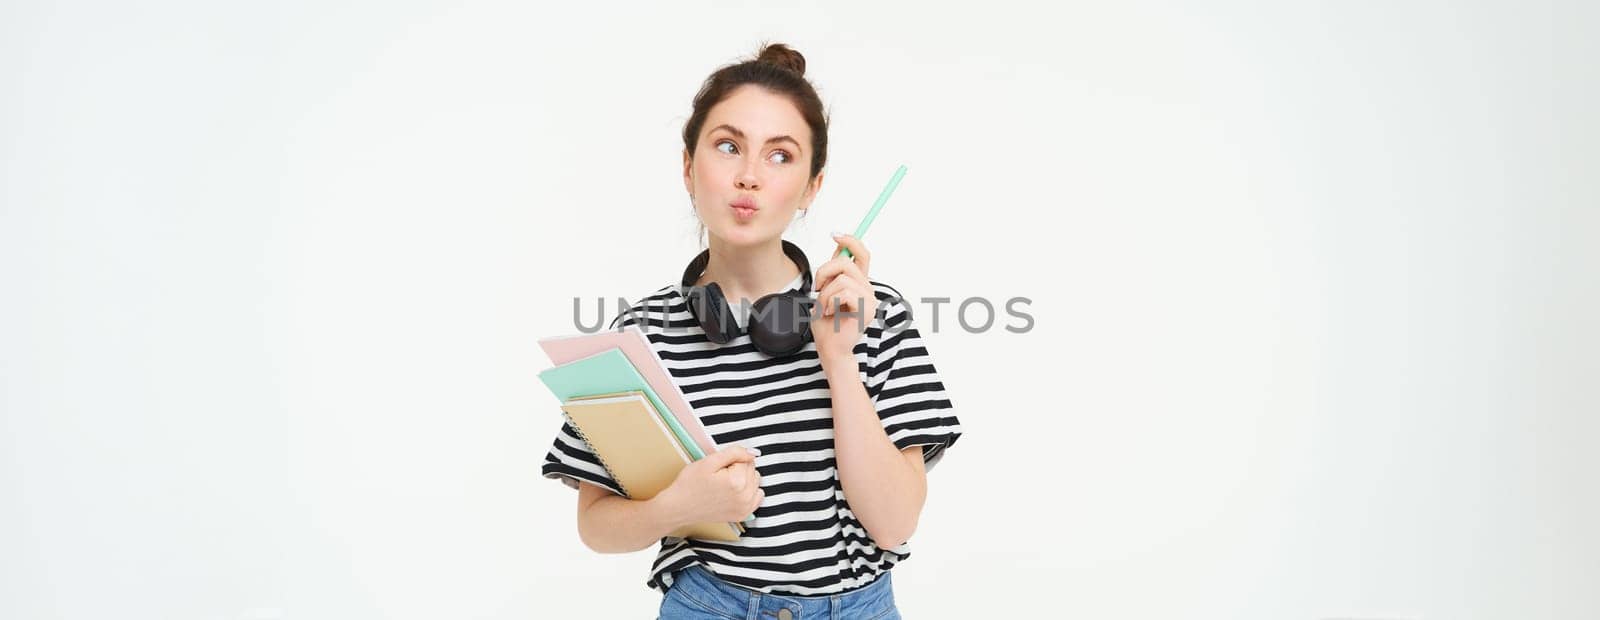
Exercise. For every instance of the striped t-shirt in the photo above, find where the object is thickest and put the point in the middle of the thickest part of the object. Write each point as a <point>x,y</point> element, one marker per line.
<point>804,539</point>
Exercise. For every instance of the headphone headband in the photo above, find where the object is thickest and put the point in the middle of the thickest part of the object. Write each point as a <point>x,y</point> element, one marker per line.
<point>781,323</point>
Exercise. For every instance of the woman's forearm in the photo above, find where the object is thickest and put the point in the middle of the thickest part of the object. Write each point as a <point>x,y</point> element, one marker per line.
<point>610,523</point>
<point>885,489</point>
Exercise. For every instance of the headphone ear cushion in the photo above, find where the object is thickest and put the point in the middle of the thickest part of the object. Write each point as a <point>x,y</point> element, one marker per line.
<point>781,324</point>
<point>710,309</point>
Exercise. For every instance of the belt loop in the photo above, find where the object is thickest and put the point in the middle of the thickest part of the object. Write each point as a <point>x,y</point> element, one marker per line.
<point>755,607</point>
<point>836,608</point>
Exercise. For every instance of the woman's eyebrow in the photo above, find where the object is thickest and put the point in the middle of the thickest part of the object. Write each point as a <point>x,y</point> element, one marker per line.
<point>740,135</point>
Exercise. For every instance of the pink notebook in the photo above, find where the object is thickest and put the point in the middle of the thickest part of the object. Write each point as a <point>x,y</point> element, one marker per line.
<point>631,341</point>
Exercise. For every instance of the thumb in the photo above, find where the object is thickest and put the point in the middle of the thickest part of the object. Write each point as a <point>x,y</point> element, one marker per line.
<point>729,455</point>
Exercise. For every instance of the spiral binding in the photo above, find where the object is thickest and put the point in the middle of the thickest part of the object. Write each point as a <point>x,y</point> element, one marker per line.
<point>614,479</point>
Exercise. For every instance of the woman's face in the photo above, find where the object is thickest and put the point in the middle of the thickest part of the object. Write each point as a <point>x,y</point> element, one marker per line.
<point>751,171</point>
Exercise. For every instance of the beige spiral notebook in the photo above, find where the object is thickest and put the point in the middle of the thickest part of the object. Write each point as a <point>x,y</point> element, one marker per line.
<point>638,450</point>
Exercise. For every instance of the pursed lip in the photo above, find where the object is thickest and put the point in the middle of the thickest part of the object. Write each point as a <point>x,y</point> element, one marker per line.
<point>744,202</point>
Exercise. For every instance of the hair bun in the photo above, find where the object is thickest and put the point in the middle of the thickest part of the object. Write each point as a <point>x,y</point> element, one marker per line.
<point>782,56</point>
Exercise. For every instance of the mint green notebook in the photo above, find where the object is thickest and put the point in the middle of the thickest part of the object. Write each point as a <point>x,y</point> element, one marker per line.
<point>606,372</point>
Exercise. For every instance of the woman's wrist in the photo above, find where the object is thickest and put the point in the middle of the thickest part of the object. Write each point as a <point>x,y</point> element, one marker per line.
<point>837,367</point>
<point>666,511</point>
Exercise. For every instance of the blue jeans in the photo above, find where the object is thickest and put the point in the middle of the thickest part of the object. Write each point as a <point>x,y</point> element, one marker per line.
<point>696,594</point>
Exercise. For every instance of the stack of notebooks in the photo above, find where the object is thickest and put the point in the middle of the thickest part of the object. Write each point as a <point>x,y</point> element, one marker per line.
<point>616,393</point>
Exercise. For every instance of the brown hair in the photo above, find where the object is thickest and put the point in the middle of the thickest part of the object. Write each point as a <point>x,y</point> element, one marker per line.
<point>777,68</point>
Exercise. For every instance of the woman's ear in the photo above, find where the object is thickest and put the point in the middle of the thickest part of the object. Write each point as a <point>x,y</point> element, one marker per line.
<point>812,187</point>
<point>688,177</point>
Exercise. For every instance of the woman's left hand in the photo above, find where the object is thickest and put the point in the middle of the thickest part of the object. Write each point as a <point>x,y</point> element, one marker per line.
<point>842,282</point>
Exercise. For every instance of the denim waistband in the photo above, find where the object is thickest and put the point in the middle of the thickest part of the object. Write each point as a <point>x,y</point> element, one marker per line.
<point>697,588</point>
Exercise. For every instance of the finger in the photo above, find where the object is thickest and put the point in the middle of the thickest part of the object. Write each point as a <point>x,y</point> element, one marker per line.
<point>834,267</point>
<point>738,477</point>
<point>729,455</point>
<point>829,298</point>
<point>858,250</point>
<point>843,267</point>
<point>855,298</point>
<point>858,299</point>
<point>844,292</point>
<point>756,503</point>
<point>828,270</point>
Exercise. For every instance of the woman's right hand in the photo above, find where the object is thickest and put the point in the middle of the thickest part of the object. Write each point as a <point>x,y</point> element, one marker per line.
<point>723,486</point>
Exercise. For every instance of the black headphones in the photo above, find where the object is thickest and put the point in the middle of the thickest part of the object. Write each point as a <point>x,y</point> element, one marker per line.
<point>780,323</point>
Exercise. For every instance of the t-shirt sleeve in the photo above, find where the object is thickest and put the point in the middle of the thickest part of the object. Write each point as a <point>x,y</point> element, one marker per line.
<point>570,458</point>
<point>904,385</point>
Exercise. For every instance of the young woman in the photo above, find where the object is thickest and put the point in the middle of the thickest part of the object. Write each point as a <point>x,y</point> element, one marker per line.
<point>829,415</point>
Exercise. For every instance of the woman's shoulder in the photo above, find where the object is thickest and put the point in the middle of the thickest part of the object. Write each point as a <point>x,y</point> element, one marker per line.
<point>885,292</point>
<point>651,309</point>
<point>891,302</point>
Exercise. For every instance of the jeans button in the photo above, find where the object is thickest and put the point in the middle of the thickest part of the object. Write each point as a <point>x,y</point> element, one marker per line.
<point>785,614</point>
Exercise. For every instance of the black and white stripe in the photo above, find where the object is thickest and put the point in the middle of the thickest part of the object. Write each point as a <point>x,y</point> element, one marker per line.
<point>804,540</point>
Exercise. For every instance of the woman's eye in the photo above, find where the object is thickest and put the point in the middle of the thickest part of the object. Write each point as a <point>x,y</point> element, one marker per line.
<point>731,148</point>
<point>785,157</point>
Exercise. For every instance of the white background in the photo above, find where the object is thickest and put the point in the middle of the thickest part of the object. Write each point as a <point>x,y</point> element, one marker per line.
<point>1314,290</point>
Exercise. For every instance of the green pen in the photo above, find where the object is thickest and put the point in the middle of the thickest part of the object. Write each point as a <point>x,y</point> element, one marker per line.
<point>883,198</point>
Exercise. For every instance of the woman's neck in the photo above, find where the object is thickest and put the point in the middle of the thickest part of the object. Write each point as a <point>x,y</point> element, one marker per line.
<point>749,272</point>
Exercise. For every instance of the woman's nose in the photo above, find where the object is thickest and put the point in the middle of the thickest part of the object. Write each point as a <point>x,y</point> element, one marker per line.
<point>747,178</point>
